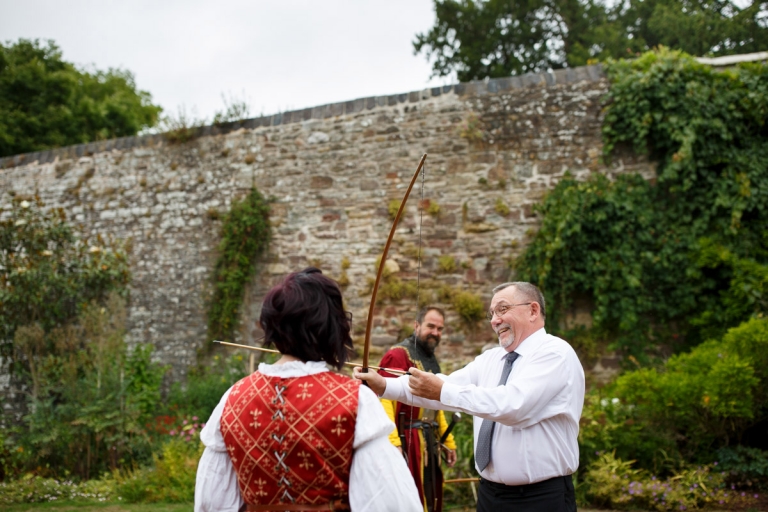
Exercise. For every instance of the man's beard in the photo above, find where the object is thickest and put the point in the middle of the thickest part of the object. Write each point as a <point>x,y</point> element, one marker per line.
<point>428,344</point>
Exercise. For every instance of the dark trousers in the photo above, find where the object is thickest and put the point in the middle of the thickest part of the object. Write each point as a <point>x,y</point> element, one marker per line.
<point>553,495</point>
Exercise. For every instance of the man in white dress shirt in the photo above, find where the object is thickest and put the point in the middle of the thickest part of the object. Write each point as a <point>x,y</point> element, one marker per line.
<point>526,397</point>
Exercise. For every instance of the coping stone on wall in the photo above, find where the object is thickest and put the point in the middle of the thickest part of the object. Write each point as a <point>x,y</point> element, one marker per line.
<point>480,87</point>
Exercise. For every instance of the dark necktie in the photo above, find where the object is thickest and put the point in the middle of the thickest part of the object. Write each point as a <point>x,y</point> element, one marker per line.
<point>483,452</point>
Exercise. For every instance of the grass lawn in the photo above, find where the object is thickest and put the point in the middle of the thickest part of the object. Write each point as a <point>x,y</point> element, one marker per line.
<point>101,507</point>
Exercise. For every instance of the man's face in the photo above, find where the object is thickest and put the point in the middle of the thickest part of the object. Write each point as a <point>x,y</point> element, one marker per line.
<point>429,331</point>
<point>511,325</point>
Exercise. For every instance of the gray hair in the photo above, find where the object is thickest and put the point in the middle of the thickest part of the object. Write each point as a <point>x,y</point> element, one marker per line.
<point>530,291</point>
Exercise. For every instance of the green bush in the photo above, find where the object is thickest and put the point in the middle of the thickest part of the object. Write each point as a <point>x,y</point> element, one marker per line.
<point>694,404</point>
<point>170,480</point>
<point>204,387</point>
<point>609,424</point>
<point>744,466</point>
<point>616,484</point>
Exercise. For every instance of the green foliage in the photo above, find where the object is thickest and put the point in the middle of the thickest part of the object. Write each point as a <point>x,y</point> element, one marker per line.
<point>180,127</point>
<point>170,480</point>
<point>446,263</point>
<point>46,102</point>
<point>36,489</point>
<point>245,236</point>
<point>48,274</point>
<point>205,386</point>
<point>614,483</point>
<point>460,494</point>
<point>682,259</point>
<point>501,207</point>
<point>610,424</point>
<point>393,207</point>
<point>472,130</point>
<point>469,306</point>
<point>393,288</point>
<point>235,109</point>
<point>696,403</point>
<point>494,38</point>
<point>90,398</point>
<point>744,465</point>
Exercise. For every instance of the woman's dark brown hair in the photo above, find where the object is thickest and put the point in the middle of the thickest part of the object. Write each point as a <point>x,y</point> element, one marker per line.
<point>304,317</point>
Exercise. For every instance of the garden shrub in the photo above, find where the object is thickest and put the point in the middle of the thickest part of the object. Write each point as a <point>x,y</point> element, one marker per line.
<point>609,424</point>
<point>203,389</point>
<point>170,480</point>
<point>90,397</point>
<point>616,484</point>
<point>694,404</point>
<point>744,466</point>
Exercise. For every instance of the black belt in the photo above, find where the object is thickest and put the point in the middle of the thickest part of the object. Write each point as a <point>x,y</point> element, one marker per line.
<point>408,425</point>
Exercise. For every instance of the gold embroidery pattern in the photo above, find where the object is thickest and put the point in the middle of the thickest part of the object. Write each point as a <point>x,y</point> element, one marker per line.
<point>304,386</point>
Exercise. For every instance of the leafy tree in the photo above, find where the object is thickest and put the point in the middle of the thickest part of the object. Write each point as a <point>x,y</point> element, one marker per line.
<point>46,102</point>
<point>496,38</point>
<point>697,27</point>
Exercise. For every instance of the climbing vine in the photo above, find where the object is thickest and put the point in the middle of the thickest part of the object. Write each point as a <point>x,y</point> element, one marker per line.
<point>244,236</point>
<point>675,260</point>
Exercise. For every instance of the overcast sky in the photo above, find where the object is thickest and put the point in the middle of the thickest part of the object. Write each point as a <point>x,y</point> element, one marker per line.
<point>278,55</point>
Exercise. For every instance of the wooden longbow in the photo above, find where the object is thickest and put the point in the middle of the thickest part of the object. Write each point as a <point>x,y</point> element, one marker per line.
<point>382,263</point>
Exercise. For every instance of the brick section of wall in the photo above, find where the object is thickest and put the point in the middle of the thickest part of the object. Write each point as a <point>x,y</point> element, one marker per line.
<point>494,148</point>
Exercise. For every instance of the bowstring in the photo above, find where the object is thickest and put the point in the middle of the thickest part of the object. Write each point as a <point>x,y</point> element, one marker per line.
<point>418,265</point>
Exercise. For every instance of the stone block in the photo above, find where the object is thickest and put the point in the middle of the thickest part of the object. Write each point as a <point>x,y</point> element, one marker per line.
<point>320,182</point>
<point>381,340</point>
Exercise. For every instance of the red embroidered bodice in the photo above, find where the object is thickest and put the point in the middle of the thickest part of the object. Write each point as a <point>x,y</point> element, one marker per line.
<point>290,440</point>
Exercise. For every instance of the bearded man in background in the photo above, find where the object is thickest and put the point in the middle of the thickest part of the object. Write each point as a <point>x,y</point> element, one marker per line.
<point>419,431</point>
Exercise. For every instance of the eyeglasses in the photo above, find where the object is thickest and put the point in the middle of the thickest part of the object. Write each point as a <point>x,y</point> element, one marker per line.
<point>500,310</point>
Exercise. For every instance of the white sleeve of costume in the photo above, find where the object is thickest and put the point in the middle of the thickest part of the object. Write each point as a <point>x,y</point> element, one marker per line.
<point>379,480</point>
<point>216,487</point>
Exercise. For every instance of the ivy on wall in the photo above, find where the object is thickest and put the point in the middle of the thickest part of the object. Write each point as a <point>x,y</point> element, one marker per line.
<point>682,258</point>
<point>244,236</point>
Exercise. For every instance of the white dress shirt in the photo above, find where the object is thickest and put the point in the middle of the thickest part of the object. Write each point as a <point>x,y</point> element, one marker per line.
<point>537,411</point>
<point>379,480</point>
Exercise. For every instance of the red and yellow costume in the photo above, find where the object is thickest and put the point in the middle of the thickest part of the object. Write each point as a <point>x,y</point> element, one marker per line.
<point>416,422</point>
<point>290,439</point>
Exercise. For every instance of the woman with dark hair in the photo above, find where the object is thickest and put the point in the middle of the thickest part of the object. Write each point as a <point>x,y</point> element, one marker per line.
<point>295,436</point>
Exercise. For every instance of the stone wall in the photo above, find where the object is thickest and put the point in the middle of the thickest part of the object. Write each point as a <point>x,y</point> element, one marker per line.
<point>494,149</point>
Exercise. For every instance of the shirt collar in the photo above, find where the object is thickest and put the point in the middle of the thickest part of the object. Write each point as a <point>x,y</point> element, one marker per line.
<point>293,369</point>
<point>529,344</point>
